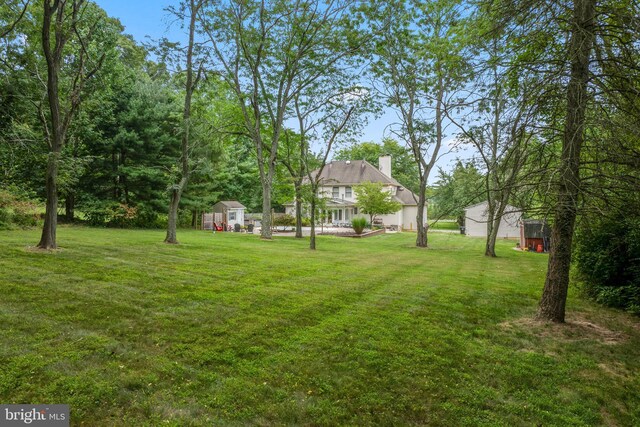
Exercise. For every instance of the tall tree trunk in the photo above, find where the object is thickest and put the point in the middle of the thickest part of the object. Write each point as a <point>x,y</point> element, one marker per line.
<point>421,238</point>
<point>298,196</point>
<point>56,134</point>
<point>554,295</point>
<point>179,188</point>
<point>266,232</point>
<point>312,239</point>
<point>172,221</point>
<point>494,218</point>
<point>70,206</point>
<point>48,237</point>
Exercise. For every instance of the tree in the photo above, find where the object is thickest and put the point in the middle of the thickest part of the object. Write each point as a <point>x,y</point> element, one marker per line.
<point>135,146</point>
<point>334,115</point>
<point>374,200</point>
<point>455,190</point>
<point>293,151</point>
<point>502,111</point>
<point>68,19</point>
<point>10,14</point>
<point>268,51</point>
<point>418,64</point>
<point>579,51</point>
<point>188,10</point>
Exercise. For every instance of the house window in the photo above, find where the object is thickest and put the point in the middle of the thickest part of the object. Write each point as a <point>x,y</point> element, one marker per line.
<point>335,192</point>
<point>232,216</point>
<point>355,211</point>
<point>346,214</point>
<point>347,192</point>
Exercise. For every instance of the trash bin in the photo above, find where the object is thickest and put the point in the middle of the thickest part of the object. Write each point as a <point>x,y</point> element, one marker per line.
<point>462,229</point>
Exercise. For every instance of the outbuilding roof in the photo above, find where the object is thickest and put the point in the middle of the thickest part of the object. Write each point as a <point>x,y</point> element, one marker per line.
<point>233,204</point>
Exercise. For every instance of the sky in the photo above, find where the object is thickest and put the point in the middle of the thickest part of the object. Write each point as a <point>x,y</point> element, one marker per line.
<point>146,20</point>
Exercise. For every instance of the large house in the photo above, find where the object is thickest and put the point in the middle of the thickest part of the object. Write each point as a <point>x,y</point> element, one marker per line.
<point>337,181</point>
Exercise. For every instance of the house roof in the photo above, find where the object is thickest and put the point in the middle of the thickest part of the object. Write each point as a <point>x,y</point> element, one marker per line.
<point>347,172</point>
<point>231,204</point>
<point>352,172</point>
<point>405,196</point>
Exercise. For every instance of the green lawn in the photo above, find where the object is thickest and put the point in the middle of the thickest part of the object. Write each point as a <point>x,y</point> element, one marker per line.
<point>444,225</point>
<point>226,329</point>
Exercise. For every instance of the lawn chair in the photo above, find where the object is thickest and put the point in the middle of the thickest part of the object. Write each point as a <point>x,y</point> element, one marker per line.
<point>236,227</point>
<point>250,228</point>
<point>217,227</point>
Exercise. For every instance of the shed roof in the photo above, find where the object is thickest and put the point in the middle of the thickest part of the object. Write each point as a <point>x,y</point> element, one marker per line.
<point>233,204</point>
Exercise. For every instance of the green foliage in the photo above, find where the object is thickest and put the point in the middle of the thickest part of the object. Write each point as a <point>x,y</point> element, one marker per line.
<point>17,211</point>
<point>358,224</point>
<point>607,261</point>
<point>455,190</point>
<point>121,215</point>
<point>284,220</point>
<point>374,200</point>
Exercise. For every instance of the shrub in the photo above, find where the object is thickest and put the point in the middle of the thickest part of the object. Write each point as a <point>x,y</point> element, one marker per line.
<point>6,218</point>
<point>120,215</point>
<point>607,262</point>
<point>358,224</point>
<point>284,220</point>
<point>185,216</point>
<point>17,211</point>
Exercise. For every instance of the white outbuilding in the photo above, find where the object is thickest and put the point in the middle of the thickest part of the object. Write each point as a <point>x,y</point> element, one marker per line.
<point>229,212</point>
<point>475,221</point>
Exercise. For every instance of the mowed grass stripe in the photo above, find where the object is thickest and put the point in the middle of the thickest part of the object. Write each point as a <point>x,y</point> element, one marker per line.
<point>230,330</point>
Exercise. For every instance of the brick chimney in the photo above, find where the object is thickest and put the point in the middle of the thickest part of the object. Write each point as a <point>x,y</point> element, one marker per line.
<point>384,165</point>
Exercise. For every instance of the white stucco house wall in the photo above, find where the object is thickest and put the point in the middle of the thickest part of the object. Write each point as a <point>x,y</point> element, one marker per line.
<point>475,221</point>
<point>229,212</point>
<point>337,181</point>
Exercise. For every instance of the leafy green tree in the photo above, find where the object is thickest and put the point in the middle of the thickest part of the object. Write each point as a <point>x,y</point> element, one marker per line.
<point>10,14</point>
<point>455,190</point>
<point>374,200</point>
<point>419,64</point>
<point>570,49</point>
<point>268,52</point>
<point>134,154</point>
<point>500,124</point>
<point>188,10</point>
<point>67,24</point>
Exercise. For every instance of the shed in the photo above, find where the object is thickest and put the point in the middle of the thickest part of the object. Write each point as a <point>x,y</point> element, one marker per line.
<point>533,233</point>
<point>475,221</point>
<point>229,212</point>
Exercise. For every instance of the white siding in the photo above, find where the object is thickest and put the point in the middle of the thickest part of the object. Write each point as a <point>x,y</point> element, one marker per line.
<point>239,216</point>
<point>394,219</point>
<point>409,217</point>
<point>476,222</point>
